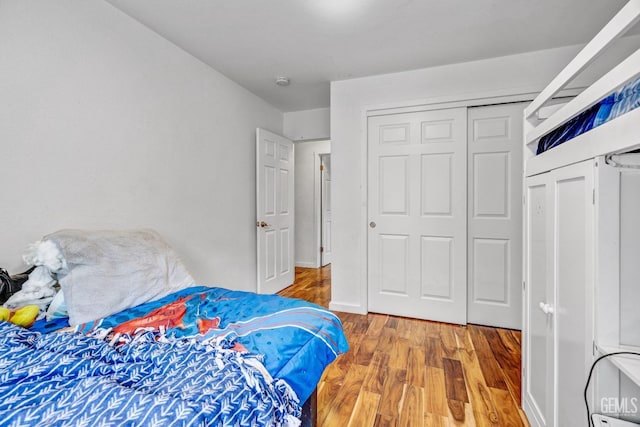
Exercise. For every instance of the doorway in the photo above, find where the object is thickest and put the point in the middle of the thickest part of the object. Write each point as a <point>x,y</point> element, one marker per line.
<point>325,209</point>
<point>310,237</point>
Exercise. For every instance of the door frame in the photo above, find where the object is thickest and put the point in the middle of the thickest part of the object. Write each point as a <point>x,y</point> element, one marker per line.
<point>318,209</point>
<point>317,204</point>
<point>436,103</point>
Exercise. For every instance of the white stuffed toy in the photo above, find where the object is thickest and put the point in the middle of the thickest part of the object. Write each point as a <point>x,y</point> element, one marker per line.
<point>38,289</point>
<point>45,253</point>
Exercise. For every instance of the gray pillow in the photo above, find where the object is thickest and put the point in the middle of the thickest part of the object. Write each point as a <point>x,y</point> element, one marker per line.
<point>109,271</point>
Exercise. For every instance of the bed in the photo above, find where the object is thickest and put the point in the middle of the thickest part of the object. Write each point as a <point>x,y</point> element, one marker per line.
<point>622,101</point>
<point>197,355</point>
<point>581,237</point>
<point>602,119</point>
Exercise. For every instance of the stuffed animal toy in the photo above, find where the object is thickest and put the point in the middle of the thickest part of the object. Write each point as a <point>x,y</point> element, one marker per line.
<point>38,289</point>
<point>45,253</point>
<point>24,316</point>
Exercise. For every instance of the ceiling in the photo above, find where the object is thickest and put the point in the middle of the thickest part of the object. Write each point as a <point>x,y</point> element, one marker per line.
<point>314,42</point>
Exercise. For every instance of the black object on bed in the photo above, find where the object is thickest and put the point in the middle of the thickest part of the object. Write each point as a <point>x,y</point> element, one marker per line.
<point>9,285</point>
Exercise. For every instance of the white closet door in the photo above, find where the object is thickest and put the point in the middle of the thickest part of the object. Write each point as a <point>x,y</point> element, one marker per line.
<point>495,215</point>
<point>417,242</point>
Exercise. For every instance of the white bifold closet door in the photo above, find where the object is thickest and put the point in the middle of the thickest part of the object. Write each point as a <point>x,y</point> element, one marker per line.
<point>417,212</point>
<point>495,215</point>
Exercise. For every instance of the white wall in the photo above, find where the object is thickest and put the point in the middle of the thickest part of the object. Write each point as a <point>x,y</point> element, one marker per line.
<point>307,200</point>
<point>104,124</point>
<point>307,125</point>
<point>516,74</point>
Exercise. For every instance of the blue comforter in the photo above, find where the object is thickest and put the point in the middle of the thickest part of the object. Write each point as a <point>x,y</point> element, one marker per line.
<point>76,380</point>
<point>296,339</point>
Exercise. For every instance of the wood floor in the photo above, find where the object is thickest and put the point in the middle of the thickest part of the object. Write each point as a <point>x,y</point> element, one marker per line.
<point>407,372</point>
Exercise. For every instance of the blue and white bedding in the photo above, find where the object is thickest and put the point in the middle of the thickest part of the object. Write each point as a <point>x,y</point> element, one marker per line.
<point>296,339</point>
<point>197,356</point>
<point>75,380</point>
<point>616,104</point>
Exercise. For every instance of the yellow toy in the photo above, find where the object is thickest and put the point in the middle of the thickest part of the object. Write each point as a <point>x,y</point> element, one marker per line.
<point>24,316</point>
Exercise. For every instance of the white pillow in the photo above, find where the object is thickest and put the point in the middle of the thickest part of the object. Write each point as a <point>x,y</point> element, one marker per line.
<point>110,271</point>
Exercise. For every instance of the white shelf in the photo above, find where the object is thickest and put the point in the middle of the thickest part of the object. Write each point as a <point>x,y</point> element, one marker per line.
<point>628,364</point>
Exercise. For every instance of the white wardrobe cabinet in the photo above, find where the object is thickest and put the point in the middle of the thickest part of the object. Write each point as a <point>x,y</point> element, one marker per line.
<point>558,289</point>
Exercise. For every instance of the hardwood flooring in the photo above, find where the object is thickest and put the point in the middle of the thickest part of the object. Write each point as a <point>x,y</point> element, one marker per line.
<point>408,372</point>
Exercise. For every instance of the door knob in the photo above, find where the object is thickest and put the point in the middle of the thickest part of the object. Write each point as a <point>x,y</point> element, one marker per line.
<point>372,224</point>
<point>262,224</point>
<point>546,308</point>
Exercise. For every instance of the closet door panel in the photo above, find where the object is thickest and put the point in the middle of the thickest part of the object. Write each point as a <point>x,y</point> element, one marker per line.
<point>417,241</point>
<point>495,215</point>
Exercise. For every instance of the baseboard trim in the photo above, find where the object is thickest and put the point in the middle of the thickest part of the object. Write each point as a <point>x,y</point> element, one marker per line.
<point>305,264</point>
<point>347,307</point>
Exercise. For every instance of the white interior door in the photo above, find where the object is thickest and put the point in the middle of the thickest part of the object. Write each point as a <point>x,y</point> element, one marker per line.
<point>417,207</point>
<point>325,161</point>
<point>275,211</point>
<point>495,215</point>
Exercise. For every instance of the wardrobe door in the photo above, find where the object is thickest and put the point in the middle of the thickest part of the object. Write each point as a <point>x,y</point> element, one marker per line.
<point>573,308</point>
<point>537,368</point>
<point>559,259</point>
